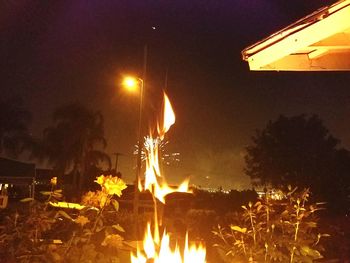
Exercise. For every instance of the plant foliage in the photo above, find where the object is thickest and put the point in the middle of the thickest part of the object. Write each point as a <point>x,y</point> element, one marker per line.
<point>41,233</point>
<point>273,231</point>
<point>300,150</point>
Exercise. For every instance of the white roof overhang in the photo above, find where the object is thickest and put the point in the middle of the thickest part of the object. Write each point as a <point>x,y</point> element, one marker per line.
<point>317,42</point>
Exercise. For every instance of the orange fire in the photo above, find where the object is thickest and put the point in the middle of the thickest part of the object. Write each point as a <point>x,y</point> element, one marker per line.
<point>161,252</point>
<point>154,182</point>
<point>168,117</point>
<point>155,248</point>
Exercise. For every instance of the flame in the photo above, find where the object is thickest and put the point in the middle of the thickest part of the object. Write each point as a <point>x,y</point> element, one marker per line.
<point>168,118</point>
<point>194,253</point>
<point>148,244</point>
<point>161,253</point>
<point>154,182</point>
<point>156,249</point>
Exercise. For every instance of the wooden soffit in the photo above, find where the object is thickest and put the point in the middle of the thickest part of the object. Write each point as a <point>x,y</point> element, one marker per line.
<point>317,42</point>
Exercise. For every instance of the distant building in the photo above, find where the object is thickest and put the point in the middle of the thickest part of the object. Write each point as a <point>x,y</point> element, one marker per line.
<point>18,178</point>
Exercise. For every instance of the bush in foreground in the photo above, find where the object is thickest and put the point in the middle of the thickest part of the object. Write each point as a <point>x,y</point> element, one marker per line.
<point>274,231</point>
<point>41,233</point>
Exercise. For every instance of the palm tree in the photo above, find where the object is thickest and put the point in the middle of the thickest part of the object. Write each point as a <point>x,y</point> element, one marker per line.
<point>14,121</point>
<point>75,141</point>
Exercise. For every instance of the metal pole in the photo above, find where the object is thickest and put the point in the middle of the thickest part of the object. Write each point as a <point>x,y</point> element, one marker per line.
<point>140,142</point>
<point>116,161</point>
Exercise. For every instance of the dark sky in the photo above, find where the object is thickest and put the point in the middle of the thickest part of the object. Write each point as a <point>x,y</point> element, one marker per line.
<point>55,52</point>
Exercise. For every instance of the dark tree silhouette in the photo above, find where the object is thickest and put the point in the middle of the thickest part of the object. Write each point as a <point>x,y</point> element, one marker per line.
<point>300,151</point>
<point>75,142</point>
<point>14,121</point>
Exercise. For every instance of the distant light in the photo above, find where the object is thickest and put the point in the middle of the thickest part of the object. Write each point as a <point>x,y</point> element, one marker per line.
<point>131,83</point>
<point>153,27</point>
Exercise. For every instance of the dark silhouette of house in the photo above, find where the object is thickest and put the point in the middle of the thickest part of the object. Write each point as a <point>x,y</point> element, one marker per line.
<point>19,177</point>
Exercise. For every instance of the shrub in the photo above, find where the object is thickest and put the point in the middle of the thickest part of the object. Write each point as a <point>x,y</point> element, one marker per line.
<point>43,234</point>
<point>273,231</point>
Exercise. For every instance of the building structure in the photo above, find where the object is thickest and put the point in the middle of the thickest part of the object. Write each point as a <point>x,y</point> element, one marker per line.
<point>317,42</point>
<point>17,180</point>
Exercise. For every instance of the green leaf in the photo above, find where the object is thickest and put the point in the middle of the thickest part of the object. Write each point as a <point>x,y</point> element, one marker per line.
<point>115,204</point>
<point>83,239</point>
<point>285,213</point>
<point>119,228</point>
<point>311,224</point>
<point>45,192</point>
<point>87,232</point>
<point>64,214</point>
<point>57,195</point>
<point>29,199</point>
<point>237,228</point>
<point>99,228</point>
<point>99,224</point>
<point>259,208</point>
<point>307,251</point>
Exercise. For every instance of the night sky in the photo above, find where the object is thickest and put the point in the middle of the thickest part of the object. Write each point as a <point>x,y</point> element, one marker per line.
<point>55,52</point>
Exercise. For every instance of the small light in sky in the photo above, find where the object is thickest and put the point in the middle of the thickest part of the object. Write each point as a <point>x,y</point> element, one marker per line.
<point>153,27</point>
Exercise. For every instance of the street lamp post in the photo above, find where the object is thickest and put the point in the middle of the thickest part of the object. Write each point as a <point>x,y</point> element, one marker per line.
<point>133,83</point>
<point>138,166</point>
<point>117,154</point>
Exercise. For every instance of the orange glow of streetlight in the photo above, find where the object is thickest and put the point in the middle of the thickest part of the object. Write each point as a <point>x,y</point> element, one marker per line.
<point>131,84</point>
